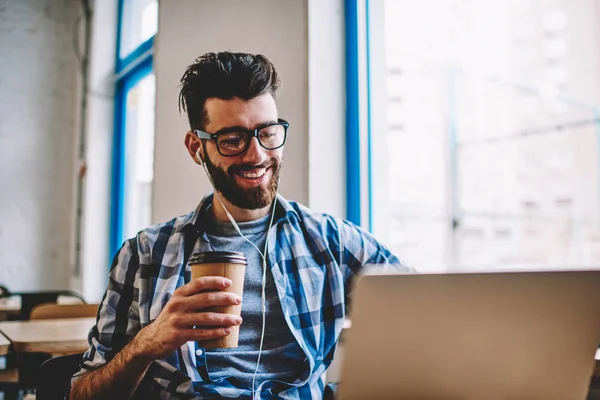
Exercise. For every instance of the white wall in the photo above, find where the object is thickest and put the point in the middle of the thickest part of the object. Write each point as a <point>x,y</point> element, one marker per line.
<point>312,91</point>
<point>95,259</point>
<point>327,107</point>
<point>38,116</point>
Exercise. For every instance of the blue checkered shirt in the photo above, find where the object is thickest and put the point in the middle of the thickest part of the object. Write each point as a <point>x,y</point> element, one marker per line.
<point>313,258</point>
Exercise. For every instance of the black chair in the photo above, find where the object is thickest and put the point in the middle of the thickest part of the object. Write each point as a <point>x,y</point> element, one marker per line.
<point>329,393</point>
<point>54,377</point>
<point>594,391</point>
<point>4,292</point>
<point>31,299</point>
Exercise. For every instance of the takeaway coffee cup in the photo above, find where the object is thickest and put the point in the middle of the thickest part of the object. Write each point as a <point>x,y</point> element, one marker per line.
<point>231,265</point>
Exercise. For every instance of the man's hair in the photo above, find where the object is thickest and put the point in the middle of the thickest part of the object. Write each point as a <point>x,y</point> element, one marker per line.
<point>224,76</point>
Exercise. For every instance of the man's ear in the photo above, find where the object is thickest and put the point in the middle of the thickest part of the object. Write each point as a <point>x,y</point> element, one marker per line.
<point>194,146</point>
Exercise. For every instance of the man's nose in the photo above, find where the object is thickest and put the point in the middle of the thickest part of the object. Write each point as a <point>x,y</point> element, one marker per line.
<point>255,154</point>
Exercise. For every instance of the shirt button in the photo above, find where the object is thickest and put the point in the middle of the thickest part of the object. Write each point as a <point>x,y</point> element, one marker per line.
<point>198,352</point>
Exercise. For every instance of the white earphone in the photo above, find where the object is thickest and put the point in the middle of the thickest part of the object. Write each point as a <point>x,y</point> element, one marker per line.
<point>263,255</point>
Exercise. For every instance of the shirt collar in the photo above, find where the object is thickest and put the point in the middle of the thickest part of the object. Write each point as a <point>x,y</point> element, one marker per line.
<point>283,210</point>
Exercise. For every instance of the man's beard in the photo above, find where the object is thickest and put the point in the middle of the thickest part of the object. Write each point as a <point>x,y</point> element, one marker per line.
<point>247,198</point>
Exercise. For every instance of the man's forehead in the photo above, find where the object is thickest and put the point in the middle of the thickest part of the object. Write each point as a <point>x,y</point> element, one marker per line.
<point>239,112</point>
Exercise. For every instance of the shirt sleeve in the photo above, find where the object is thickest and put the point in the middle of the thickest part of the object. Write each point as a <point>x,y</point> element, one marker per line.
<point>118,313</point>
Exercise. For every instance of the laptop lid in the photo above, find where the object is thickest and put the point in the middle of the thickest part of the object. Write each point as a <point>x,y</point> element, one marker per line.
<point>522,335</point>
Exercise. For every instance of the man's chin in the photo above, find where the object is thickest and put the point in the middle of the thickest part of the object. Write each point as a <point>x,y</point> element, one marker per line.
<point>250,198</point>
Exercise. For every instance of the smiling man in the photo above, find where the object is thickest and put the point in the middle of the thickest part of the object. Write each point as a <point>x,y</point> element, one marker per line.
<point>154,317</point>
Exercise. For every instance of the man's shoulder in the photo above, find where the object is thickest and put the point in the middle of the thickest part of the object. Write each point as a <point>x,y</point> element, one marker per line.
<point>311,218</point>
<point>173,225</point>
<point>326,224</point>
<point>163,232</point>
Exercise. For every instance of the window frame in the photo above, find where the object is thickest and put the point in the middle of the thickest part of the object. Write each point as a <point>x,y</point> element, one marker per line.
<point>129,71</point>
<point>359,169</point>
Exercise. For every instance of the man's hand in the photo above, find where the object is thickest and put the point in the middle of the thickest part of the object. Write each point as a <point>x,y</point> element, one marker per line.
<point>188,308</point>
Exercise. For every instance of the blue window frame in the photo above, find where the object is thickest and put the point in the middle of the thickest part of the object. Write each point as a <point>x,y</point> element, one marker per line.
<point>134,120</point>
<point>358,114</point>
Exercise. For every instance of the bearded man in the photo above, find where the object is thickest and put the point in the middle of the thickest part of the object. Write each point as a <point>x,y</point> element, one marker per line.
<point>153,319</point>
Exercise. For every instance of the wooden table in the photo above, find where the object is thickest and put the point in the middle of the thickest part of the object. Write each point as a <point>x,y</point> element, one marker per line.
<point>52,336</point>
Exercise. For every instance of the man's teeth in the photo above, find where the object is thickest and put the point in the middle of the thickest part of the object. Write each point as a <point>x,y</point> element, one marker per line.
<point>257,173</point>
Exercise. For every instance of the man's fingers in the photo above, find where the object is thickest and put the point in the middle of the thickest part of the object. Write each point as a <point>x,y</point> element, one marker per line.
<point>203,284</point>
<point>206,333</point>
<point>208,319</point>
<point>202,301</point>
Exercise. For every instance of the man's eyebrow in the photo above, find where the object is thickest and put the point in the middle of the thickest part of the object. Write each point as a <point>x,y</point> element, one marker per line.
<point>237,128</point>
<point>231,129</point>
<point>267,123</point>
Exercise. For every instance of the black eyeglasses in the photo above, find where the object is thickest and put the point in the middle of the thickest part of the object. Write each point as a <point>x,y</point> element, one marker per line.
<point>236,140</point>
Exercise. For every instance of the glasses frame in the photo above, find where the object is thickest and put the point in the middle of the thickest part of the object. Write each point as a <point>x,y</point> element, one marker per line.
<point>252,133</point>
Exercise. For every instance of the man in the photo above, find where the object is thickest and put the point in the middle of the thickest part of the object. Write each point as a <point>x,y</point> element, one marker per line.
<point>153,317</point>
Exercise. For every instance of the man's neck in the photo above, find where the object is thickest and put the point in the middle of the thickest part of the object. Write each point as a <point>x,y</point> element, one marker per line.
<point>238,214</point>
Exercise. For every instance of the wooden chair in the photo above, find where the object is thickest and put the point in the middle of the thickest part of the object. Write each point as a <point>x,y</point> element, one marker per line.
<point>54,311</point>
<point>31,299</point>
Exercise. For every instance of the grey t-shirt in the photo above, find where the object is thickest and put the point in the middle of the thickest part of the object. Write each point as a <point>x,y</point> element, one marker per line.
<point>282,358</point>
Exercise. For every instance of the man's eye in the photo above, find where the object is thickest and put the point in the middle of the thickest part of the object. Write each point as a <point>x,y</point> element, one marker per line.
<point>231,139</point>
<point>270,131</point>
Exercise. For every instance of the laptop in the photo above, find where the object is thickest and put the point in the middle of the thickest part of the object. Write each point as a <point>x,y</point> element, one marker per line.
<point>476,336</point>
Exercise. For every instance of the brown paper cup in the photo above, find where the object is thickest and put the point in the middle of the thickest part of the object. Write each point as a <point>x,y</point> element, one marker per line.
<point>231,265</point>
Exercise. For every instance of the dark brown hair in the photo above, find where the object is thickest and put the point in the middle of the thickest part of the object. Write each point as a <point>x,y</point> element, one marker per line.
<point>224,76</point>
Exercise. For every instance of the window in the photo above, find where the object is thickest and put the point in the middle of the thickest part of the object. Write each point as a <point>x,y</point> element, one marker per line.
<point>476,131</point>
<point>139,23</point>
<point>134,120</point>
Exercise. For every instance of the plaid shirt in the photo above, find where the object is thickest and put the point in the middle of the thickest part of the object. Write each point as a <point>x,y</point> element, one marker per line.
<point>313,258</point>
